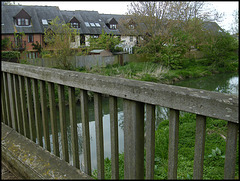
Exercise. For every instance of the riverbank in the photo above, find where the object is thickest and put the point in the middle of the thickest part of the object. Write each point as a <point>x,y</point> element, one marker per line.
<point>155,72</point>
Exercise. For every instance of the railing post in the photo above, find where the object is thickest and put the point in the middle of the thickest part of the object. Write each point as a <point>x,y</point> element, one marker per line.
<point>173,144</point>
<point>150,140</point>
<point>12,101</point>
<point>199,147</point>
<point>133,139</point>
<point>3,101</point>
<point>99,134</point>
<point>53,117</point>
<point>6,90</point>
<point>114,136</point>
<point>63,122</point>
<point>85,132</point>
<point>73,124</point>
<point>231,147</point>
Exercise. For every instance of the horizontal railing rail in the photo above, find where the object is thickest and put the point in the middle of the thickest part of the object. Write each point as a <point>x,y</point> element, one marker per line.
<point>18,80</point>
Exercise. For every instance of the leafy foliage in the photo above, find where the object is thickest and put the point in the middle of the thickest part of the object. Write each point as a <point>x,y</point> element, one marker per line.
<point>5,43</point>
<point>105,41</point>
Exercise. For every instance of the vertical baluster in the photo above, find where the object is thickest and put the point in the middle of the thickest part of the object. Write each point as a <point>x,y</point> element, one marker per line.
<point>18,104</point>
<point>37,112</point>
<point>133,140</point>
<point>12,102</point>
<point>43,98</point>
<point>24,107</point>
<point>32,126</point>
<point>150,140</point>
<point>5,82</point>
<point>173,144</point>
<point>231,147</point>
<point>3,101</point>
<point>199,147</point>
<point>73,123</point>
<point>85,132</point>
<point>53,118</point>
<point>63,122</point>
<point>99,134</point>
<point>114,136</point>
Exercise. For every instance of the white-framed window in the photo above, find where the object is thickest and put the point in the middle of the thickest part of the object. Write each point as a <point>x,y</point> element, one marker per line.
<point>26,22</point>
<point>74,25</point>
<point>19,21</point>
<point>92,24</point>
<point>97,24</point>
<point>113,26</point>
<point>87,24</point>
<point>131,26</point>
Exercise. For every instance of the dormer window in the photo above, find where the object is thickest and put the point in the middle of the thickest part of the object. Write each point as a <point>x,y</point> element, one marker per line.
<point>74,23</point>
<point>22,18</point>
<point>111,23</point>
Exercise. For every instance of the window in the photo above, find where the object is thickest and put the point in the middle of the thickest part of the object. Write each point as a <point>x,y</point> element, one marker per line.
<point>30,38</point>
<point>26,22</point>
<point>97,24</point>
<point>87,24</point>
<point>23,21</point>
<point>131,38</point>
<point>92,24</point>
<point>19,22</point>
<point>44,22</point>
<point>113,26</point>
<point>74,25</point>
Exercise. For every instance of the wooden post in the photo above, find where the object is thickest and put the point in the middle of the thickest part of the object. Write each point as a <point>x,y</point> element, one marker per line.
<point>114,136</point>
<point>173,144</point>
<point>133,139</point>
<point>199,147</point>
<point>85,132</point>
<point>150,141</point>
<point>99,134</point>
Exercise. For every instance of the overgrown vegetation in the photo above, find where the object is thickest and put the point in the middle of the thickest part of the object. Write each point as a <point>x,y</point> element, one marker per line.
<point>214,154</point>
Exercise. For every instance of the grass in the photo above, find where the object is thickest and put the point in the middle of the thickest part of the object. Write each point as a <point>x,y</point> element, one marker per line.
<point>214,150</point>
<point>155,72</point>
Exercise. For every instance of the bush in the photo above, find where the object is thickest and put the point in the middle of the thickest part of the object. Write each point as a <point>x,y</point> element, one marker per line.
<point>10,56</point>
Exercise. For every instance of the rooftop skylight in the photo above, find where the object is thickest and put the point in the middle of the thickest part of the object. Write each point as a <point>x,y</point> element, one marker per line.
<point>92,24</point>
<point>87,24</point>
<point>44,22</point>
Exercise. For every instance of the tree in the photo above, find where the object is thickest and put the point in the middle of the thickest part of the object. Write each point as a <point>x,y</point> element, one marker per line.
<point>58,37</point>
<point>171,27</point>
<point>235,24</point>
<point>105,41</point>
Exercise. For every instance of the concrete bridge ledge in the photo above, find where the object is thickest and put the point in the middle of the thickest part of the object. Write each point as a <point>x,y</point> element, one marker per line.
<point>30,161</point>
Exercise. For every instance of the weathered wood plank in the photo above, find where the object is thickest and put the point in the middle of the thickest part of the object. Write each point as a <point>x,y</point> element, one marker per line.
<point>199,147</point>
<point>5,83</point>
<point>32,125</point>
<point>43,94</point>
<point>53,118</point>
<point>99,134</point>
<point>3,101</point>
<point>114,136</point>
<point>63,122</point>
<point>73,124</point>
<point>150,141</point>
<point>231,147</point>
<point>37,112</point>
<point>24,107</point>
<point>18,104</point>
<point>206,103</point>
<point>173,144</point>
<point>133,140</point>
<point>85,132</point>
<point>12,102</point>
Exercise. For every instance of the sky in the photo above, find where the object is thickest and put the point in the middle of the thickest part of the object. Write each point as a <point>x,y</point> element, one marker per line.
<point>121,7</point>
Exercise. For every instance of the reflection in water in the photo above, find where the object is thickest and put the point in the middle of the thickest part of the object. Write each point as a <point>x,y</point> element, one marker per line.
<point>225,83</point>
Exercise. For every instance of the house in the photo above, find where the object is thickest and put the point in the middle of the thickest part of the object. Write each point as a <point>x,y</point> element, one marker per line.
<point>25,25</point>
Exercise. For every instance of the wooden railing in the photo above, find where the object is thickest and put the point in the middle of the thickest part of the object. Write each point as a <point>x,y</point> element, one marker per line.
<point>21,105</point>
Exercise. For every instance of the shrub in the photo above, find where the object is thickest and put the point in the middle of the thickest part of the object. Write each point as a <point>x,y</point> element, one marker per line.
<point>11,56</point>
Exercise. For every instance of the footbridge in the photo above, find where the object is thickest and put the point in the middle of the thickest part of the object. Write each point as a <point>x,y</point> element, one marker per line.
<point>28,93</point>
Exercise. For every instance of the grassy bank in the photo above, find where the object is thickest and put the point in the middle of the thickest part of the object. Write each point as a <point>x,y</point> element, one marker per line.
<point>216,131</point>
<point>155,72</point>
